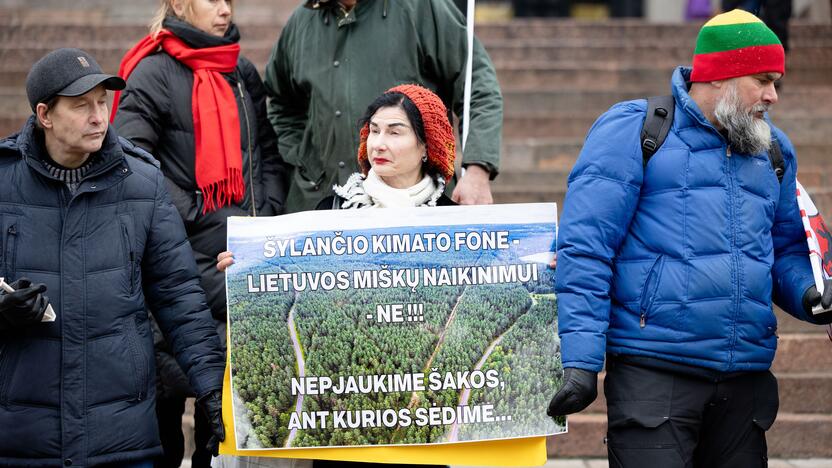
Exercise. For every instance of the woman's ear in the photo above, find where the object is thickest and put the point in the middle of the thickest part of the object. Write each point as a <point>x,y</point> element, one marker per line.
<point>179,7</point>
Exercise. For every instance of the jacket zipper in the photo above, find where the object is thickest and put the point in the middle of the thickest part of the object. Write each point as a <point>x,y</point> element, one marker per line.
<point>248,135</point>
<point>4,361</point>
<point>139,364</point>
<point>128,256</point>
<point>734,261</point>
<point>11,239</point>
<point>647,295</point>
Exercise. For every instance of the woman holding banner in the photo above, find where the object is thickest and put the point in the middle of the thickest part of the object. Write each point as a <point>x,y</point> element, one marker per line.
<point>406,156</point>
<point>406,153</point>
<point>216,164</point>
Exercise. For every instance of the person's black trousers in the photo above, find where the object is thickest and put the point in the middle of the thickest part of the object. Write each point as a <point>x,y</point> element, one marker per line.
<point>169,412</point>
<point>541,8</point>
<point>775,14</point>
<point>662,419</point>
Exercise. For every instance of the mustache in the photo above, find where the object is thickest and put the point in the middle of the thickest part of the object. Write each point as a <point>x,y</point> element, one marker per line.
<point>762,107</point>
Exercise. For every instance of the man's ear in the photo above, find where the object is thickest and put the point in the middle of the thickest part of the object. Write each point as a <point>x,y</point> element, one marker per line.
<point>42,114</point>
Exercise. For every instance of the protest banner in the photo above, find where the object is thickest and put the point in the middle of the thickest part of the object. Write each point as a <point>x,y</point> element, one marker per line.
<point>392,327</point>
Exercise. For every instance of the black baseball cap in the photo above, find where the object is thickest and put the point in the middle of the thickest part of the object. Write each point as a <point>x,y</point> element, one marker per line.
<point>66,72</point>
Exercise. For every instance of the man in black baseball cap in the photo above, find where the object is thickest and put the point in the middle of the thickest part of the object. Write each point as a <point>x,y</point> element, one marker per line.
<point>86,220</point>
<point>67,91</point>
<point>66,72</point>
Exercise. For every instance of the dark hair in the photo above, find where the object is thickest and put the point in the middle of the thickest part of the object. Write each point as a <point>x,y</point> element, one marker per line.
<point>395,99</point>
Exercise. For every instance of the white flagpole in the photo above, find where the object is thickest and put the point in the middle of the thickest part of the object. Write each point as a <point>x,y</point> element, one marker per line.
<point>469,65</point>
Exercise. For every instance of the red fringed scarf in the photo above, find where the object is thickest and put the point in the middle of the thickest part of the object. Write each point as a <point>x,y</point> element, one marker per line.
<point>219,159</point>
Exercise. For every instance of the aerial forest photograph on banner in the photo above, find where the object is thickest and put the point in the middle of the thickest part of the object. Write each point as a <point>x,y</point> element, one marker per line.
<point>359,328</point>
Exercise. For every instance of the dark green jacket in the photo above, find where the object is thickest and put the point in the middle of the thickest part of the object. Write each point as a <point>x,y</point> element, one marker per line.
<point>326,68</point>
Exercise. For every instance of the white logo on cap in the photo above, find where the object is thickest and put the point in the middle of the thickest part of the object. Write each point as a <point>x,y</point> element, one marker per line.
<point>84,62</point>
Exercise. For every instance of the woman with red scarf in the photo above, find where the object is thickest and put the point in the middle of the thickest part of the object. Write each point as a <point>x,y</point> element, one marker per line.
<point>199,107</point>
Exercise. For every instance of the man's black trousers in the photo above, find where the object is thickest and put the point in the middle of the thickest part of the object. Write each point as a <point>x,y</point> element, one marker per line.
<point>169,412</point>
<point>658,418</point>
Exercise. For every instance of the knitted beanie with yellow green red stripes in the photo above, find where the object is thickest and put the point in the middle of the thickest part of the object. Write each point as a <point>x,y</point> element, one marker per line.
<point>736,44</point>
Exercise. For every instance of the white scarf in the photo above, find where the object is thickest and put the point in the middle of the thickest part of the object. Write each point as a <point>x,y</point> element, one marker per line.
<point>372,192</point>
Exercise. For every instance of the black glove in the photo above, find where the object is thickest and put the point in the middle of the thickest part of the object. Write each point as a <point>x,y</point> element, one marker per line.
<point>811,298</point>
<point>211,407</point>
<point>579,389</point>
<point>25,306</point>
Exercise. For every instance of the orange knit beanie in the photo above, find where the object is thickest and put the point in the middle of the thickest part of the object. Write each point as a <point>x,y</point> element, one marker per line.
<point>439,135</point>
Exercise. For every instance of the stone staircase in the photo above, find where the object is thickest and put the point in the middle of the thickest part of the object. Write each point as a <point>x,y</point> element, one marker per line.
<point>557,77</point>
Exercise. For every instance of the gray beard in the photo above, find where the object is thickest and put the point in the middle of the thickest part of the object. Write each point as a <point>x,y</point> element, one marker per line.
<point>746,133</point>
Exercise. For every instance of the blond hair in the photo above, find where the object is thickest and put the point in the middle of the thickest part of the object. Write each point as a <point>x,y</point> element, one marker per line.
<point>165,10</point>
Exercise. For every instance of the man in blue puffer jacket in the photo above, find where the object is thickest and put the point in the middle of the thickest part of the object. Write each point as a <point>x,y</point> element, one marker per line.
<point>85,219</point>
<point>670,268</point>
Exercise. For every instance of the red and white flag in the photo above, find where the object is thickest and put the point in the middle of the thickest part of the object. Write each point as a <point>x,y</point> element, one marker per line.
<point>819,239</point>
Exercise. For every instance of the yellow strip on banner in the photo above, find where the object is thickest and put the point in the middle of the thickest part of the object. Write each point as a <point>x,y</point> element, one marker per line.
<point>529,451</point>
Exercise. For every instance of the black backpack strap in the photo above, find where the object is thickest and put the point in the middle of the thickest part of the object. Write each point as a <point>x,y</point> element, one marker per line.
<point>657,124</point>
<point>775,156</point>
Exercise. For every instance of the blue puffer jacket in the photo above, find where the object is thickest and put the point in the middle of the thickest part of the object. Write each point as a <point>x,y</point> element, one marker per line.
<point>678,260</point>
<point>80,391</point>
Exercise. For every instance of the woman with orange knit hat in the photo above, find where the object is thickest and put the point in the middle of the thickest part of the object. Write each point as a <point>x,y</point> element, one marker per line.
<point>406,153</point>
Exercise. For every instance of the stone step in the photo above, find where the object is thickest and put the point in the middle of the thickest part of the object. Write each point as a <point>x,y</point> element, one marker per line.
<point>805,393</point>
<point>133,12</point>
<point>626,53</point>
<point>554,178</point>
<point>812,133</point>
<point>20,32</point>
<point>802,127</point>
<point>258,12</point>
<point>601,75</point>
<point>523,155</point>
<point>800,434</point>
<point>585,437</point>
<point>528,193</point>
<point>594,76</point>
<point>518,101</point>
<point>799,30</point>
<point>561,153</point>
<point>124,35</point>
<point>803,352</point>
<point>555,76</point>
<point>540,153</point>
<point>786,324</point>
<point>107,54</point>
<point>792,435</point>
<point>560,102</point>
<point>620,54</point>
